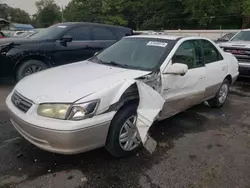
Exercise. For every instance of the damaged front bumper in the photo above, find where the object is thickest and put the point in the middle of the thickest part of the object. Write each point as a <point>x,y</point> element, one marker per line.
<point>71,137</point>
<point>81,136</point>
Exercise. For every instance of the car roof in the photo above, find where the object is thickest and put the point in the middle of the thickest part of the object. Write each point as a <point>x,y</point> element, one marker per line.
<point>92,24</point>
<point>168,37</point>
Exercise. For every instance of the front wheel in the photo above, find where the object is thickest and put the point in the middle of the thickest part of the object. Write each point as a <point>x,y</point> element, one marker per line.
<point>29,67</point>
<point>220,96</point>
<point>123,138</point>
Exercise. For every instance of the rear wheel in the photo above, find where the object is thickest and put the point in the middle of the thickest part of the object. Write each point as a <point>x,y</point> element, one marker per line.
<point>123,138</point>
<point>29,67</point>
<point>221,95</point>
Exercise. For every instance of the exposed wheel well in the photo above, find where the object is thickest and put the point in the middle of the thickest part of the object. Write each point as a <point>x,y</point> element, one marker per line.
<point>131,95</point>
<point>229,78</point>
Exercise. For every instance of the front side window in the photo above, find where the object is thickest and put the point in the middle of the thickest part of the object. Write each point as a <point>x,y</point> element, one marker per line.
<point>51,32</point>
<point>136,53</point>
<point>79,33</point>
<point>102,33</point>
<point>186,54</point>
<point>211,54</point>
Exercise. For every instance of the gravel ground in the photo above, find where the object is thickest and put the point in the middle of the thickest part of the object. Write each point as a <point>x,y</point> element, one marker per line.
<point>201,147</point>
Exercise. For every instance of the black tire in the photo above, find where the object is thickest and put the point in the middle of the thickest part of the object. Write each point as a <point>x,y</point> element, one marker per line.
<point>33,65</point>
<point>215,102</point>
<point>113,144</point>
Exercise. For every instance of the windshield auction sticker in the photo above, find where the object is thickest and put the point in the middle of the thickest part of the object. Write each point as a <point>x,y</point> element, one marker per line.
<point>156,43</point>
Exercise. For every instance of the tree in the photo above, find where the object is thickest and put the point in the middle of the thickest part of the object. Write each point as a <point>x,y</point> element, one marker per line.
<point>210,13</point>
<point>162,14</point>
<point>48,13</point>
<point>84,10</point>
<point>246,13</point>
<point>15,15</point>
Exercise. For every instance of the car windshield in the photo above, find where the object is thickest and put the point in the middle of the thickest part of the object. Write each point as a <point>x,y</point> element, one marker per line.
<point>49,33</point>
<point>242,36</point>
<point>136,53</point>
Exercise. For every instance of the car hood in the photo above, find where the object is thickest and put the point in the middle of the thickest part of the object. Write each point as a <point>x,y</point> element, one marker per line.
<point>237,44</point>
<point>18,41</point>
<point>74,81</point>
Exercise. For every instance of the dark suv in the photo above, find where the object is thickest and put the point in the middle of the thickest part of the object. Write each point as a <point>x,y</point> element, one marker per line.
<point>57,45</point>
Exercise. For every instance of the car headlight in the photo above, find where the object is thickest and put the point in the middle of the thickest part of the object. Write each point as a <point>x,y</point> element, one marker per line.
<point>82,111</point>
<point>56,111</point>
<point>75,112</point>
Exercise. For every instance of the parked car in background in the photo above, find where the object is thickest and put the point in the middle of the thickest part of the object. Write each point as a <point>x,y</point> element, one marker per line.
<point>225,38</point>
<point>30,33</point>
<point>17,33</point>
<point>239,46</point>
<point>113,98</point>
<point>57,45</point>
<point>2,35</point>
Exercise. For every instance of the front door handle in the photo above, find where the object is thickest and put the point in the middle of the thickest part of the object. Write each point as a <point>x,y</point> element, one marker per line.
<point>202,77</point>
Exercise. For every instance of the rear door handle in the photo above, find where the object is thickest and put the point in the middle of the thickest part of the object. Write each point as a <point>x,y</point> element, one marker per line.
<point>202,77</point>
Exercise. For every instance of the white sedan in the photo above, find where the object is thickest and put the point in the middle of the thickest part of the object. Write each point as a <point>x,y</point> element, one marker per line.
<point>114,97</point>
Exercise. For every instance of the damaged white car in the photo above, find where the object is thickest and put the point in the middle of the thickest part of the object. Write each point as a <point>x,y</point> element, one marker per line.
<point>113,98</point>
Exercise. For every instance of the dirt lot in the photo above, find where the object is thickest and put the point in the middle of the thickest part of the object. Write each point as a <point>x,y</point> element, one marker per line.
<point>201,147</point>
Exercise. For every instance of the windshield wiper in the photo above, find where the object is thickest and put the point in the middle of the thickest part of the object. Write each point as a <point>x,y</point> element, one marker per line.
<point>115,64</point>
<point>112,63</point>
<point>97,59</point>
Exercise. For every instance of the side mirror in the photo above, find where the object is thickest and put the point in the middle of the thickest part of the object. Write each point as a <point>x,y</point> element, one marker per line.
<point>177,68</point>
<point>66,38</point>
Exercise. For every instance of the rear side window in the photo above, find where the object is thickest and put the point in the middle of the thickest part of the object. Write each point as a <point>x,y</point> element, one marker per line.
<point>102,33</point>
<point>80,33</point>
<point>211,54</point>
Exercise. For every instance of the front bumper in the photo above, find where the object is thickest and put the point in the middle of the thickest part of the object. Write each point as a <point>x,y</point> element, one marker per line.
<point>244,69</point>
<point>62,141</point>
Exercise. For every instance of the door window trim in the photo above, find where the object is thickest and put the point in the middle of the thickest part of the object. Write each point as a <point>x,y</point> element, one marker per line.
<point>202,63</point>
<point>77,26</point>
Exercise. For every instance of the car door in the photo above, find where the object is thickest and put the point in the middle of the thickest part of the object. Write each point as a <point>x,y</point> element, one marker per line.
<point>183,91</point>
<point>77,50</point>
<point>102,37</point>
<point>216,68</point>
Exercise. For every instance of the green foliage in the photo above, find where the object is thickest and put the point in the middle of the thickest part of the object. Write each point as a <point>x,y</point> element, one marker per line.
<point>143,14</point>
<point>83,11</point>
<point>48,13</point>
<point>15,15</point>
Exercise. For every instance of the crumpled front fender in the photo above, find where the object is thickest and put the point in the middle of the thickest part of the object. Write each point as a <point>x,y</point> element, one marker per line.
<point>150,103</point>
